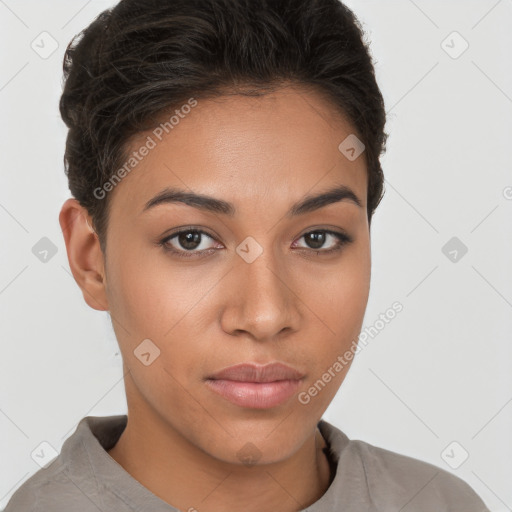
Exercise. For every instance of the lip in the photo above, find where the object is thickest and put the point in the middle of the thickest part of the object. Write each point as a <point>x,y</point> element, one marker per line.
<point>256,386</point>
<point>253,372</point>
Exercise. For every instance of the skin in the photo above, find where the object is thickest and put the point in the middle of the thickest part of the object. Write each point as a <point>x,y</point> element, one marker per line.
<point>204,314</point>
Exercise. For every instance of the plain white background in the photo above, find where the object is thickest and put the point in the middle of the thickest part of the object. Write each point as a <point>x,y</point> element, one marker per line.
<point>438,373</point>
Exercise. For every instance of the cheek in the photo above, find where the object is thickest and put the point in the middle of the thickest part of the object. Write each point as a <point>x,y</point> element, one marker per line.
<point>151,295</point>
<point>338,307</point>
<point>153,298</point>
<point>341,310</point>
<point>339,295</point>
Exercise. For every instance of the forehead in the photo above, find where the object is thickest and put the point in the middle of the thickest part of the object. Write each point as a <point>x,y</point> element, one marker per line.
<point>275,147</point>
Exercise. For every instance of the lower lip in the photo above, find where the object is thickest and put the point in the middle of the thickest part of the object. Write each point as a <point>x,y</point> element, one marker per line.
<point>256,395</point>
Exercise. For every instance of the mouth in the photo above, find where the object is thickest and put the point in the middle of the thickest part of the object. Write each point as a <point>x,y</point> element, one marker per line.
<point>254,386</point>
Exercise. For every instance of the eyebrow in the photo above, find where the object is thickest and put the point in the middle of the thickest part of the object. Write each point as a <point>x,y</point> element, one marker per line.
<point>214,205</point>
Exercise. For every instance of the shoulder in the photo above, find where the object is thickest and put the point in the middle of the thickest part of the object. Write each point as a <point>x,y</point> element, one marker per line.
<point>389,481</point>
<point>68,482</point>
<point>36,491</point>
<point>54,489</point>
<point>400,480</point>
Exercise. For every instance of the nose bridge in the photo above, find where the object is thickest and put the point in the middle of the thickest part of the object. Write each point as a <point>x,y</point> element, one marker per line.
<point>262,303</point>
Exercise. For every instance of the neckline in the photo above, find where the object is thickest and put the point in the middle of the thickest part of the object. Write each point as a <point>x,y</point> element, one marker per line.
<point>97,434</point>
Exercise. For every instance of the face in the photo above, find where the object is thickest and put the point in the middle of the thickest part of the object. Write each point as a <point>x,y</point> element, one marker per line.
<point>253,282</point>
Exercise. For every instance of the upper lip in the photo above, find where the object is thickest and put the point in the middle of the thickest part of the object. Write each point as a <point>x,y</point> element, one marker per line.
<point>252,372</point>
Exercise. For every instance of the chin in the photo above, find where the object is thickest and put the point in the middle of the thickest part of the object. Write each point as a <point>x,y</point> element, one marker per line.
<point>266,445</point>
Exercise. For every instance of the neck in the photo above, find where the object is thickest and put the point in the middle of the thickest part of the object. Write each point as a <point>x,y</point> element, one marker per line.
<point>187,478</point>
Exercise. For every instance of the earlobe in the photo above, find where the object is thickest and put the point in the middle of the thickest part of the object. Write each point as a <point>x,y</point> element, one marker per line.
<point>85,257</point>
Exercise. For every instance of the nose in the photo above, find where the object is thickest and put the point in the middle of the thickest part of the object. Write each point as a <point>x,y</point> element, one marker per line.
<point>261,300</point>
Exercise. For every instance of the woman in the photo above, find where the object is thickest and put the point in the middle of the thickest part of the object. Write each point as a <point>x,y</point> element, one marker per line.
<point>223,157</point>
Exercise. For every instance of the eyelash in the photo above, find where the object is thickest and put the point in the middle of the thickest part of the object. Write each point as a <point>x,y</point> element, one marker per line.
<point>342,240</point>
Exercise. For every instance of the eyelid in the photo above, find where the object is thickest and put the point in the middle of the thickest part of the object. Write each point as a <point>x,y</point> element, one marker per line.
<point>342,239</point>
<point>186,229</point>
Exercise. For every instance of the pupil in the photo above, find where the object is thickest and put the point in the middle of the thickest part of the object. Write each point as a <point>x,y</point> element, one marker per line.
<point>318,238</point>
<point>189,240</point>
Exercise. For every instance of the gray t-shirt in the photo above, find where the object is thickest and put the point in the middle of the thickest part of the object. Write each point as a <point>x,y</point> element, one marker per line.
<point>85,478</point>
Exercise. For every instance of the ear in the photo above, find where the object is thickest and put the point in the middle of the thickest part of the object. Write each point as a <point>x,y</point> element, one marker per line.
<point>85,257</point>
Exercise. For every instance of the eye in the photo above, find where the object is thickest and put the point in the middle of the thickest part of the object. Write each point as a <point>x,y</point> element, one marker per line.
<point>187,243</point>
<point>317,239</point>
<point>192,242</point>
